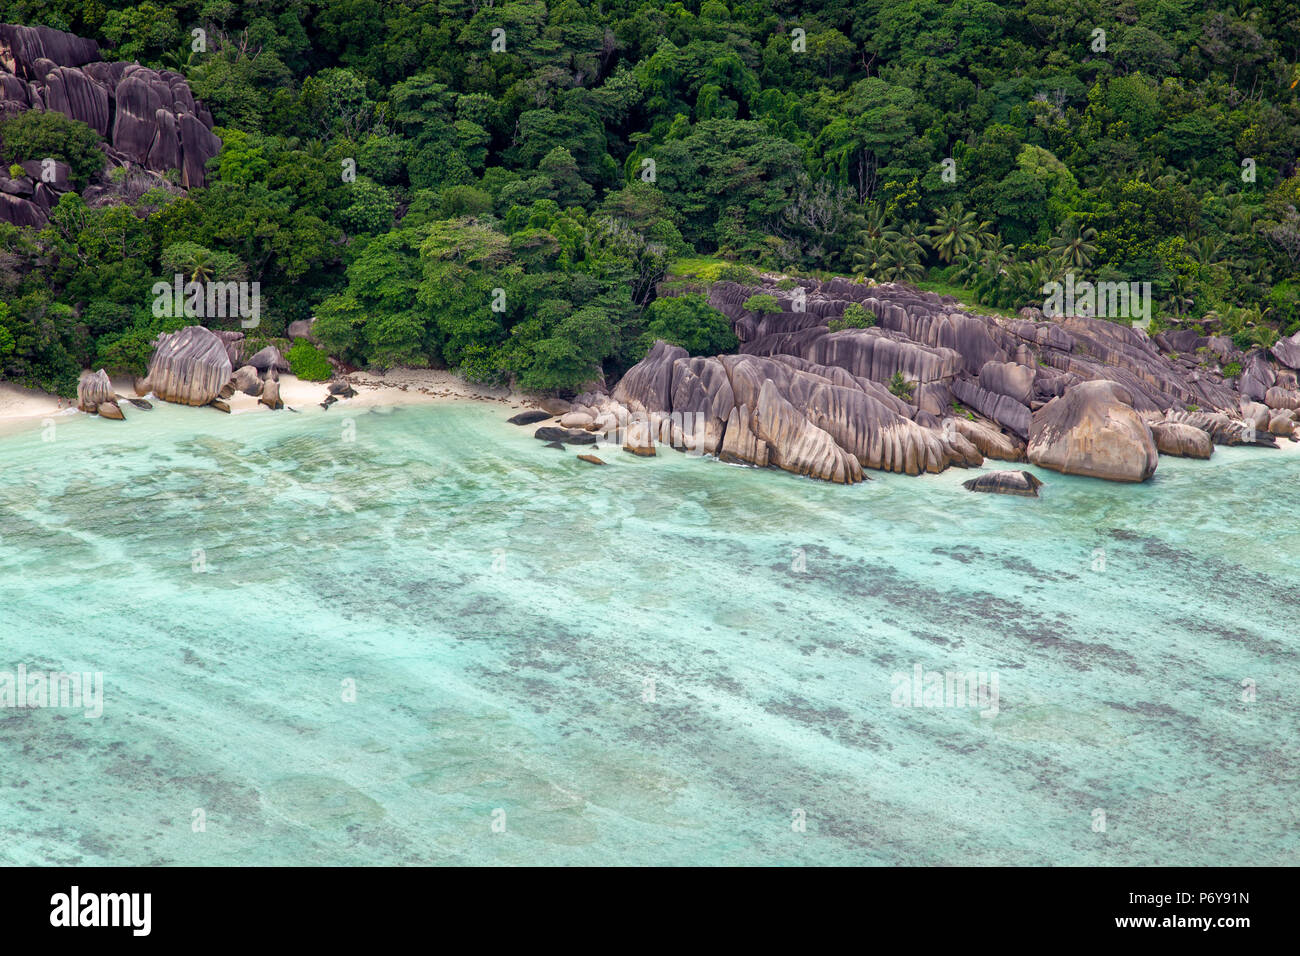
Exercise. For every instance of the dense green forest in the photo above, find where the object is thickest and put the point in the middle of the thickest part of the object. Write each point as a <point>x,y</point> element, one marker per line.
<point>513,210</point>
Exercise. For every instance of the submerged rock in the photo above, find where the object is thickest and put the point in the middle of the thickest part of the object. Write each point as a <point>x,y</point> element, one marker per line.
<point>639,441</point>
<point>571,436</point>
<point>591,458</point>
<point>1005,483</point>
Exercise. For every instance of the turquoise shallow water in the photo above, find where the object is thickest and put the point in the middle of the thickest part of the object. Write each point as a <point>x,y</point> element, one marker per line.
<point>658,661</point>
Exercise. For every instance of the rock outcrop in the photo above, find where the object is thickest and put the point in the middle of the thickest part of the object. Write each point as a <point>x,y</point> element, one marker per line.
<point>270,396</point>
<point>93,389</point>
<point>146,117</point>
<point>932,385</point>
<point>189,367</point>
<point>639,441</point>
<point>1093,430</point>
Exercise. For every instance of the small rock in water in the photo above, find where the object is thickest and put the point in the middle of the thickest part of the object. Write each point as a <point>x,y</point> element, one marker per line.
<point>141,403</point>
<point>571,436</point>
<point>1005,483</point>
<point>110,410</point>
<point>220,406</point>
<point>591,458</point>
<point>529,417</point>
<point>554,444</point>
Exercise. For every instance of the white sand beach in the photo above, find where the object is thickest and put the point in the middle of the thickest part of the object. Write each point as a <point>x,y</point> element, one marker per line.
<point>400,386</point>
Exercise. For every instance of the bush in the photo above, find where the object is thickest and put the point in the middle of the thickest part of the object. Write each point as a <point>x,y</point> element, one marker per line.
<point>308,362</point>
<point>1232,370</point>
<point>732,272</point>
<point>688,321</point>
<point>51,135</point>
<point>762,304</point>
<point>854,317</point>
<point>900,387</point>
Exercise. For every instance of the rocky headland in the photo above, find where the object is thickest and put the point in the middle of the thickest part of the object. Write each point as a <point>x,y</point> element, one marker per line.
<point>1077,395</point>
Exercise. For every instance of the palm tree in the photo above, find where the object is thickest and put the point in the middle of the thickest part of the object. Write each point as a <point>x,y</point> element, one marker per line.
<point>955,231</point>
<point>901,262</point>
<point>867,261</point>
<point>912,234</point>
<point>876,225</point>
<point>1179,300</point>
<point>968,268</point>
<point>1074,245</point>
<point>199,265</point>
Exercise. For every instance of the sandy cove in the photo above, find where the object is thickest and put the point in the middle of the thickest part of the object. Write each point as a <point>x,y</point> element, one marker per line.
<point>399,386</point>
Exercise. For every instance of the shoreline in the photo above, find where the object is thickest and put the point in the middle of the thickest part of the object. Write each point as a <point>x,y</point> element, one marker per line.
<point>21,406</point>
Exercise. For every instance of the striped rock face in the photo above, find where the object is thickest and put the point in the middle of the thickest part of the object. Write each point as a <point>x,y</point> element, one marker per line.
<point>93,389</point>
<point>189,367</point>
<point>148,117</point>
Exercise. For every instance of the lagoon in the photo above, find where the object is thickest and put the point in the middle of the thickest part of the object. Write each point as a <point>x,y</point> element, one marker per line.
<point>416,636</point>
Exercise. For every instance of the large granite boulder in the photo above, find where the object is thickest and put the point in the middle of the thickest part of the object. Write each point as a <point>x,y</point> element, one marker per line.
<point>270,396</point>
<point>93,389</point>
<point>1183,441</point>
<point>189,367</point>
<point>649,384</point>
<point>1093,430</point>
<point>740,444</point>
<point>990,442</point>
<point>269,360</point>
<point>1003,409</point>
<point>247,380</point>
<point>1287,351</point>
<point>22,47</point>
